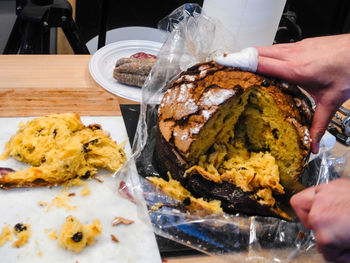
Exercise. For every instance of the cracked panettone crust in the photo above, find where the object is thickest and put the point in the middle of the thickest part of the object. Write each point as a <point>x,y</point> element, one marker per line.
<point>223,127</point>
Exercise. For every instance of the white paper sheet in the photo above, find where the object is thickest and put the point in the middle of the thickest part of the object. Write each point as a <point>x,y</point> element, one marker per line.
<point>137,241</point>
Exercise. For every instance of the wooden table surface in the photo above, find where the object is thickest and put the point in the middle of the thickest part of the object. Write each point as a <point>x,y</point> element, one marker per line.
<point>33,85</point>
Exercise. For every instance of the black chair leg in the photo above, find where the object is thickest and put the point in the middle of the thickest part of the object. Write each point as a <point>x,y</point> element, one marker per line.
<point>31,43</point>
<point>15,38</point>
<point>73,36</point>
<point>103,24</point>
<point>45,40</point>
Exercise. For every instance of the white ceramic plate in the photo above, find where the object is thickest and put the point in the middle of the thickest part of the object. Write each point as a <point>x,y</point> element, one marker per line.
<point>129,33</point>
<point>102,64</point>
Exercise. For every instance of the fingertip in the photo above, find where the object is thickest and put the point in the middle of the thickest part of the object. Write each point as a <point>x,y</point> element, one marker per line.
<point>316,136</point>
<point>303,198</point>
<point>302,203</point>
<point>315,147</point>
<point>294,200</point>
<point>322,116</point>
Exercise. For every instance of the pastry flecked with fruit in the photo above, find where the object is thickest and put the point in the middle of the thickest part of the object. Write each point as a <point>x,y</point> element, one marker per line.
<point>234,136</point>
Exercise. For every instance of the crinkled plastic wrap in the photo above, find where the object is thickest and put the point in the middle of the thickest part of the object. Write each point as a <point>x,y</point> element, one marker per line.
<point>236,238</point>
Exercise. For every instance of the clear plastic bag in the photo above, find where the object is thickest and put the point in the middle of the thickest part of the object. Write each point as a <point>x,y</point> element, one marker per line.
<point>235,238</point>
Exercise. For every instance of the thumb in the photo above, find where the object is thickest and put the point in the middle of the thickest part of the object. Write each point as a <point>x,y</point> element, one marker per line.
<point>320,121</point>
<point>302,203</point>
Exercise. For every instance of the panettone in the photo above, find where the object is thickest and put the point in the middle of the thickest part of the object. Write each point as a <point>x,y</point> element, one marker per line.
<point>59,148</point>
<point>234,136</point>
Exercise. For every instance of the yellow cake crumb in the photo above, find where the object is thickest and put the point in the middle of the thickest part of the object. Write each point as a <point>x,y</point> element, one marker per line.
<point>40,253</point>
<point>53,235</point>
<point>61,201</point>
<point>86,190</point>
<point>249,171</point>
<point>23,233</point>
<point>5,235</point>
<point>75,236</point>
<point>175,190</point>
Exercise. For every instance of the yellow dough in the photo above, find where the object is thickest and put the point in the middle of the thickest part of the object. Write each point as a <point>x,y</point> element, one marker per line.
<point>23,233</point>
<point>5,235</point>
<point>174,189</point>
<point>60,148</point>
<point>75,236</point>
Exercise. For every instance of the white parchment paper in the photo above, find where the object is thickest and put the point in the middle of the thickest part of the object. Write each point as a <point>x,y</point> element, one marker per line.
<point>137,241</point>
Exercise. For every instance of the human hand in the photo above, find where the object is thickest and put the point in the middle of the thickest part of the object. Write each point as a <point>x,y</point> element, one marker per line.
<point>319,65</point>
<point>325,209</point>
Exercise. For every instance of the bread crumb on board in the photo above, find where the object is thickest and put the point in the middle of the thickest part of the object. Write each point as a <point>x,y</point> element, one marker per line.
<point>75,236</point>
<point>53,235</point>
<point>60,201</point>
<point>22,233</point>
<point>86,190</point>
<point>5,235</point>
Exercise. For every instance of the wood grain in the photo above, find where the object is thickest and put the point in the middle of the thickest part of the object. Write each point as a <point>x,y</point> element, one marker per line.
<point>35,85</point>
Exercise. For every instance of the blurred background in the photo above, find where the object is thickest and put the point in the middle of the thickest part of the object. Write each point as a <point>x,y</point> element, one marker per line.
<point>302,19</point>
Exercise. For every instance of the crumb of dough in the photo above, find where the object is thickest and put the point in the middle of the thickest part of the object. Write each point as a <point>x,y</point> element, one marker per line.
<point>61,201</point>
<point>23,233</point>
<point>75,236</point>
<point>59,148</point>
<point>73,182</point>
<point>86,190</point>
<point>156,207</point>
<point>53,235</point>
<point>114,238</point>
<point>5,235</point>
<point>40,253</point>
<point>174,189</point>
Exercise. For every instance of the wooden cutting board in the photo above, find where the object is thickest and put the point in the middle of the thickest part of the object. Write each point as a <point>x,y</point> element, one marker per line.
<point>34,85</point>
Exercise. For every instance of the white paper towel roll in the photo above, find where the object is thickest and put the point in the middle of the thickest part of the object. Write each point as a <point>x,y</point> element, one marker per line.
<point>252,22</point>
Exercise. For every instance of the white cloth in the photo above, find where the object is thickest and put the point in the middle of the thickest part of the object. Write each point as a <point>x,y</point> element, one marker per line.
<point>246,59</point>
